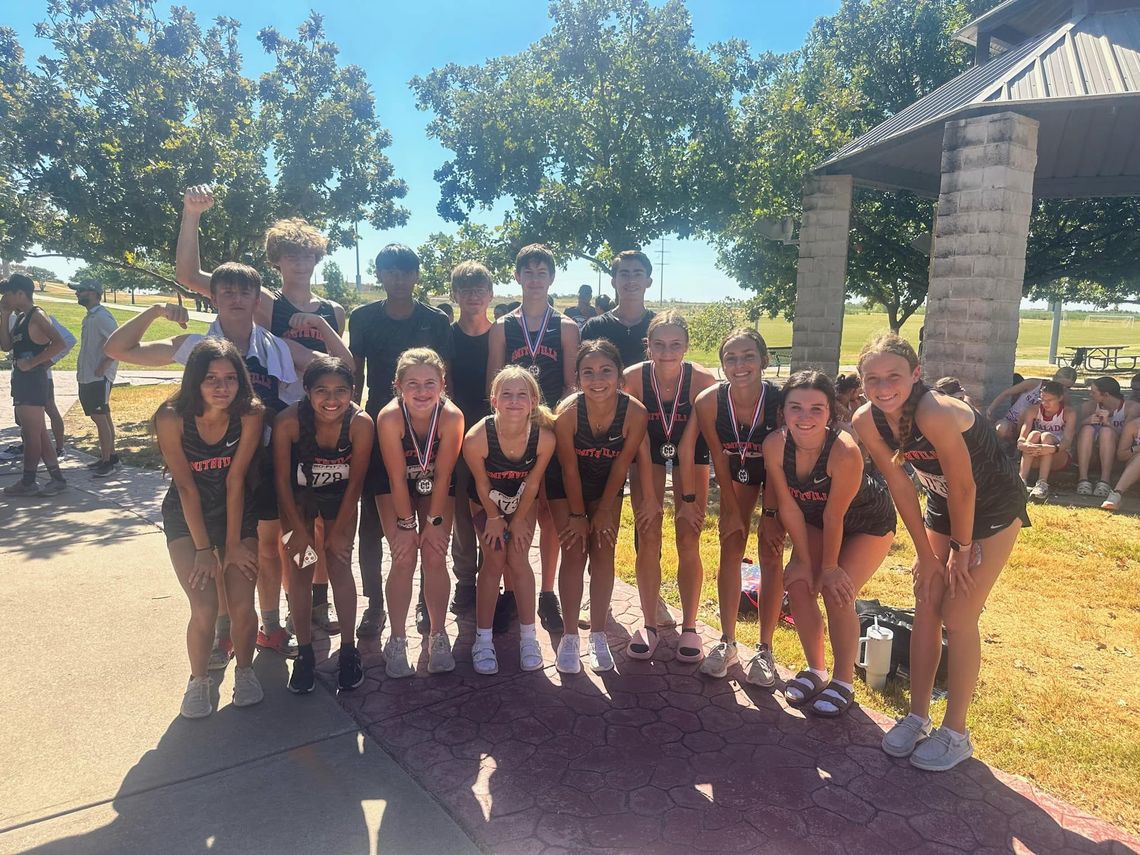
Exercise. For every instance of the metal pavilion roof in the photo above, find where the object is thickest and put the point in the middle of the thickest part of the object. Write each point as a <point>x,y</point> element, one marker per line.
<point>1079,77</point>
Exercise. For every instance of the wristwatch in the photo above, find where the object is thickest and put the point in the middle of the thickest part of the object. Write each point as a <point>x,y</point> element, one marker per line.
<point>689,498</point>
<point>436,520</point>
<point>770,512</point>
<point>959,547</point>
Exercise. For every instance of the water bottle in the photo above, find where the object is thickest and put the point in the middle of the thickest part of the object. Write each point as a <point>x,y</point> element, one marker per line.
<point>875,655</point>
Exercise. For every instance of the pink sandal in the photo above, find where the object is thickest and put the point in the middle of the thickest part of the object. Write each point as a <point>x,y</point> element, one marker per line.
<point>643,643</point>
<point>691,647</point>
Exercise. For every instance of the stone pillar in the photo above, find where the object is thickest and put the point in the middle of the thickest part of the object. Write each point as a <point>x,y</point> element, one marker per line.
<point>977,265</point>
<point>821,278</point>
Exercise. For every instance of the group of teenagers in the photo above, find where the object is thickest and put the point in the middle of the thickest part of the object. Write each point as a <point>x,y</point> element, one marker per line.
<point>475,434</point>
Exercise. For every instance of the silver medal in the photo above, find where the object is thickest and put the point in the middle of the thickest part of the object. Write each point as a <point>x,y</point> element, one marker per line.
<point>742,475</point>
<point>423,486</point>
<point>668,450</point>
<point>534,369</point>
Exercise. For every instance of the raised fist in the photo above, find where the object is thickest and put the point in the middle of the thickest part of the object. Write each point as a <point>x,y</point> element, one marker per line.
<point>198,199</point>
<point>177,314</point>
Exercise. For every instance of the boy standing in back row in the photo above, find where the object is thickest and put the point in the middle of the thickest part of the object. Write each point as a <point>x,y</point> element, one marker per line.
<point>627,324</point>
<point>545,343</point>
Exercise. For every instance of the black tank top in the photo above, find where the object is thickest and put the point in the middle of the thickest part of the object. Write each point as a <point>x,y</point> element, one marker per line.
<point>23,347</point>
<point>870,512</point>
<point>748,453</point>
<point>548,358</point>
<point>1000,492</point>
<point>656,427</point>
<point>507,477</point>
<point>596,455</point>
<point>327,471</point>
<point>210,463</point>
<point>283,310</point>
<point>265,385</point>
<point>413,471</point>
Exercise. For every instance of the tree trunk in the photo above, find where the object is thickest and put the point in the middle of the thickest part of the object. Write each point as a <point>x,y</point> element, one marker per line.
<point>893,317</point>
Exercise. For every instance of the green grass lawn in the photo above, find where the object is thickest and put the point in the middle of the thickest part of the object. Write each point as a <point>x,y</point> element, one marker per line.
<point>71,316</point>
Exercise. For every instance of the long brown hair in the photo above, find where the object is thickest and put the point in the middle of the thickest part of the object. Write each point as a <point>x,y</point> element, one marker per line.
<point>187,401</point>
<point>894,344</point>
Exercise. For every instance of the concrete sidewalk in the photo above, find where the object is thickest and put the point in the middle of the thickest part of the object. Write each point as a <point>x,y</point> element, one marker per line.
<point>95,757</point>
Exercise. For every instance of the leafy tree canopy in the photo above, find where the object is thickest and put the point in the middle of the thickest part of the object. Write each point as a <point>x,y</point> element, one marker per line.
<point>131,108</point>
<point>471,242</point>
<point>610,131</point>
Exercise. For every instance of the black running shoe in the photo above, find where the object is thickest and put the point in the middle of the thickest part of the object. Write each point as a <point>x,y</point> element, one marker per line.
<point>423,620</point>
<point>506,610</point>
<point>351,674</point>
<point>463,600</point>
<point>304,676</point>
<point>549,611</point>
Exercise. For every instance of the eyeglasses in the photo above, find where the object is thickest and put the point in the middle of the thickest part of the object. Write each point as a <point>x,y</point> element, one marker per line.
<point>475,291</point>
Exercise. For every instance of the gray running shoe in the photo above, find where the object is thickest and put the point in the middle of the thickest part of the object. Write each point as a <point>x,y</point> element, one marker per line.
<point>440,660</point>
<point>196,701</point>
<point>761,668</point>
<point>942,751</point>
<point>601,659</point>
<point>908,731</point>
<point>396,663</point>
<point>247,688</point>
<point>569,659</point>
<point>22,489</point>
<point>52,488</point>
<point>720,659</point>
<point>372,622</point>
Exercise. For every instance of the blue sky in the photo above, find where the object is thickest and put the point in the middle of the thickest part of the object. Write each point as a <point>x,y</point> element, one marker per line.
<point>395,41</point>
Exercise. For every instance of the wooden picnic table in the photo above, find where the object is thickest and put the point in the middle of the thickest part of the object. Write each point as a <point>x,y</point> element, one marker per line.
<point>1101,357</point>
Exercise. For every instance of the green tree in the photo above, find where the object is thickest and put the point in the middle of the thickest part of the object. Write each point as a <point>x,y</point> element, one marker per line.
<point>133,107</point>
<point>610,131</point>
<point>335,288</point>
<point>470,242</point>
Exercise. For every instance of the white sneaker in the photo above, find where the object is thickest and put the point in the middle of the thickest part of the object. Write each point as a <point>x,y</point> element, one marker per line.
<point>942,751</point>
<point>719,659</point>
<point>761,668</point>
<point>484,658</point>
<point>196,701</point>
<point>1112,503</point>
<point>901,739</point>
<point>440,660</point>
<point>569,659</point>
<point>247,688</point>
<point>396,663</point>
<point>600,657</point>
<point>530,654</point>
<point>1040,491</point>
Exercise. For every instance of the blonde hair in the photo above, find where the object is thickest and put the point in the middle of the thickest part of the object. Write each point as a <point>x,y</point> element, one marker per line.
<point>668,318</point>
<point>294,234</point>
<point>894,344</point>
<point>414,356</point>
<point>539,414</point>
<point>469,273</point>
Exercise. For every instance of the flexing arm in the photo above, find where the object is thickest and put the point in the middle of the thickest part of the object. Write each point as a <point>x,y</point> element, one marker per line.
<point>187,259</point>
<point>126,345</point>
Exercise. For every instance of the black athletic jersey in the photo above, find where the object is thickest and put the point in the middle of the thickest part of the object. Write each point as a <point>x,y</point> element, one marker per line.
<point>870,512</point>
<point>1000,493</point>
<point>265,385</point>
<point>656,426</point>
<point>413,470</point>
<point>210,465</point>
<point>326,473</point>
<point>507,477</point>
<point>469,374</point>
<point>748,453</point>
<point>548,358</point>
<point>629,340</point>
<point>23,347</point>
<point>596,455</point>
<point>283,310</point>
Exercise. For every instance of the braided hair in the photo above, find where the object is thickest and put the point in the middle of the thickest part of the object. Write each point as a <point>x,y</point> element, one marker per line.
<point>307,448</point>
<point>894,344</point>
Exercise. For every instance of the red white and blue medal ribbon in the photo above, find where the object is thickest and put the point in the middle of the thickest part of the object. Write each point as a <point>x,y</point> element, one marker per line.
<point>742,475</point>
<point>424,483</point>
<point>668,449</point>
<point>532,349</point>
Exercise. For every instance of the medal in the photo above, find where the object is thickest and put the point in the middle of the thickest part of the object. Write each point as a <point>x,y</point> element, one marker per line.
<point>424,483</point>
<point>668,450</point>
<point>742,475</point>
<point>532,349</point>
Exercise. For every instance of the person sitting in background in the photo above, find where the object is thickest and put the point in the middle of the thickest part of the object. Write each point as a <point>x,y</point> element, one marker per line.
<point>1128,453</point>
<point>1024,394</point>
<point>1046,438</point>
<point>848,398</point>
<point>952,386</point>
<point>1102,422</point>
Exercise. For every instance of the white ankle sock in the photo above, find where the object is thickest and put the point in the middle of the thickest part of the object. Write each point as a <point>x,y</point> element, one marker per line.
<point>526,630</point>
<point>483,634</point>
